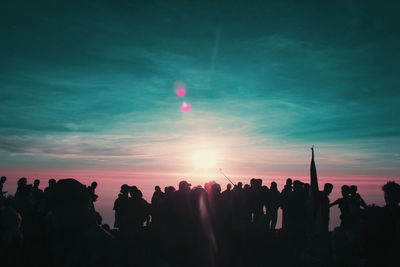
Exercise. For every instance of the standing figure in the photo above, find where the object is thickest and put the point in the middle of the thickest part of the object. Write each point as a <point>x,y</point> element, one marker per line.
<point>139,209</point>
<point>3,179</point>
<point>344,206</point>
<point>37,193</point>
<point>92,191</point>
<point>156,203</point>
<point>121,208</point>
<point>324,206</point>
<point>273,203</point>
<point>286,193</point>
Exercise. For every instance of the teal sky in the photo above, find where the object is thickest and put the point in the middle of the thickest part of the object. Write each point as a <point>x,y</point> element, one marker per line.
<point>87,88</point>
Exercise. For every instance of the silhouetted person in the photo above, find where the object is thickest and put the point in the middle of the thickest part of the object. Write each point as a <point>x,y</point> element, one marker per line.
<point>241,213</point>
<point>157,195</point>
<point>11,237</point>
<point>93,197</point>
<point>182,203</point>
<point>47,193</point>
<point>356,196</point>
<point>167,209</point>
<point>92,191</point>
<point>297,205</point>
<point>23,189</point>
<point>227,206</point>
<point>272,204</point>
<point>392,213</point>
<point>36,184</point>
<point>227,191</point>
<point>324,206</point>
<point>183,215</point>
<point>121,208</point>
<point>156,206</point>
<point>285,198</point>
<point>391,218</point>
<point>139,209</point>
<point>356,203</point>
<point>344,206</point>
<point>51,184</point>
<point>3,179</point>
<point>169,190</point>
<point>239,185</point>
<point>22,198</point>
<point>353,204</point>
<point>380,235</point>
<point>216,206</point>
<point>37,193</point>
<point>74,238</point>
<point>257,201</point>
<point>391,194</point>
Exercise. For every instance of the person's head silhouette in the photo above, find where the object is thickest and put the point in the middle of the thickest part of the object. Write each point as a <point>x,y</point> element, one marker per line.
<point>22,181</point>
<point>297,186</point>
<point>184,186</point>
<point>328,188</point>
<point>169,189</point>
<point>392,193</point>
<point>124,189</point>
<point>70,201</point>
<point>216,188</point>
<point>274,186</point>
<point>353,189</point>
<point>52,182</point>
<point>345,190</point>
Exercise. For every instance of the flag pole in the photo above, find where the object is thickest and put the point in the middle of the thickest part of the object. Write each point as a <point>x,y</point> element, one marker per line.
<point>220,170</point>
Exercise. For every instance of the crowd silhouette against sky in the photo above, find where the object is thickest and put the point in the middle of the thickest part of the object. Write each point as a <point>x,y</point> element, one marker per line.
<point>198,225</point>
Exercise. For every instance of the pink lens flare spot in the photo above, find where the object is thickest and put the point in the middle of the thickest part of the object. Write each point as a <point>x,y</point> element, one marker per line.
<point>181,92</point>
<point>180,88</point>
<point>186,107</point>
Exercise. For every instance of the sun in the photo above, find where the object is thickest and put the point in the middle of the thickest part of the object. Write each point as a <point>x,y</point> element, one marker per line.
<point>205,160</point>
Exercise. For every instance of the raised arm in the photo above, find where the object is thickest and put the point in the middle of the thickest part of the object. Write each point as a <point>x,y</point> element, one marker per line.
<point>334,203</point>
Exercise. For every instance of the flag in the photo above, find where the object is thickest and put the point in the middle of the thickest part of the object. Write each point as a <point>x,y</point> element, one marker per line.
<point>313,175</point>
<point>316,215</point>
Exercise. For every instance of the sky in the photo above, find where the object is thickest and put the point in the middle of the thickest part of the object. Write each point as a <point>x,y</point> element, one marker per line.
<point>87,90</point>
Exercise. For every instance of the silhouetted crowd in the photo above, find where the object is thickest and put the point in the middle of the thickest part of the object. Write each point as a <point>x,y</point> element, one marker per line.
<point>197,226</point>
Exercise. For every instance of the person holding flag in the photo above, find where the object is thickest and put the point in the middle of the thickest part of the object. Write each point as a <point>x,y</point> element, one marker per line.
<point>319,200</point>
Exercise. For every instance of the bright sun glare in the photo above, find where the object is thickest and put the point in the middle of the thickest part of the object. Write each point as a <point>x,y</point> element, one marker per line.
<point>205,160</point>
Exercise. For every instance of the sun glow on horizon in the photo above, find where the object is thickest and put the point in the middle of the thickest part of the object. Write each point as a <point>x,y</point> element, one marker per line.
<point>205,160</point>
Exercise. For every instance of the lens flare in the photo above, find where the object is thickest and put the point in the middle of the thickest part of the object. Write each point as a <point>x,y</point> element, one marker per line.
<point>186,107</point>
<point>180,88</point>
<point>181,92</point>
